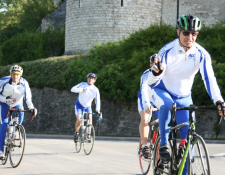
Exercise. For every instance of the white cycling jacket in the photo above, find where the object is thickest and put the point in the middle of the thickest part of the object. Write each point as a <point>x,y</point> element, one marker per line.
<point>180,68</point>
<point>145,90</point>
<point>85,98</point>
<point>16,91</point>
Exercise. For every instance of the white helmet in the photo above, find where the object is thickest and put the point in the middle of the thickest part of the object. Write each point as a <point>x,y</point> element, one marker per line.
<point>16,68</point>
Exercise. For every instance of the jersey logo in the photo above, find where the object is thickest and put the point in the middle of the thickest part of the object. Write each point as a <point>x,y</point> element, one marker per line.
<point>153,98</point>
<point>191,56</point>
<point>180,52</point>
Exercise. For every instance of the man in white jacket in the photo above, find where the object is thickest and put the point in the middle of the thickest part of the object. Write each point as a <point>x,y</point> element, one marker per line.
<point>87,92</point>
<point>13,89</point>
<point>173,75</point>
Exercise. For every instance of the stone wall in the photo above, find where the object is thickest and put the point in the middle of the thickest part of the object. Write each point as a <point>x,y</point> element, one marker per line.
<point>208,11</point>
<point>56,116</point>
<point>90,22</point>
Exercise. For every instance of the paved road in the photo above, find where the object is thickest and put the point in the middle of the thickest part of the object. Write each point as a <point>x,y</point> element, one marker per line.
<point>56,156</point>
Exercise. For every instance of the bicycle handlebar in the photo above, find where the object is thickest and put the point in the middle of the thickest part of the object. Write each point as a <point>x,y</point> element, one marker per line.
<point>195,108</point>
<point>19,110</point>
<point>94,113</point>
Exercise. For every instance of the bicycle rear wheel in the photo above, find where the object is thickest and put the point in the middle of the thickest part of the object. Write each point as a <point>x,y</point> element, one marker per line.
<point>144,163</point>
<point>161,168</point>
<point>79,141</point>
<point>17,147</point>
<point>198,161</point>
<point>89,138</point>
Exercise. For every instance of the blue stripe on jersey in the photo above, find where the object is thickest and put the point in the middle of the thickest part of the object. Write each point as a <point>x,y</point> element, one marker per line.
<point>143,78</point>
<point>207,79</point>
<point>166,54</point>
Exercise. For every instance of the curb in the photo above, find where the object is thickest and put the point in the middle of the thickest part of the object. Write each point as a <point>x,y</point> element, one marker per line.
<point>50,136</point>
<point>108,138</point>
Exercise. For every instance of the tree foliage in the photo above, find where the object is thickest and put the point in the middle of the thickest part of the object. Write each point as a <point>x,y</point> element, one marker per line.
<point>18,16</point>
<point>34,12</point>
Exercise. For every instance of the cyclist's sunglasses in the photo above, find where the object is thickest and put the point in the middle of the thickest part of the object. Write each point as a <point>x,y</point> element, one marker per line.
<point>15,74</point>
<point>185,33</point>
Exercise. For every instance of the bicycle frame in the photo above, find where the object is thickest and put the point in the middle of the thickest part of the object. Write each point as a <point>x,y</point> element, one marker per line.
<point>13,143</point>
<point>190,134</point>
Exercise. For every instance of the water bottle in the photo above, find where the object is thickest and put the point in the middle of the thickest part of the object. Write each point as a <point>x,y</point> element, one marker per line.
<point>10,131</point>
<point>6,136</point>
<point>180,150</point>
<point>154,137</point>
<point>84,127</point>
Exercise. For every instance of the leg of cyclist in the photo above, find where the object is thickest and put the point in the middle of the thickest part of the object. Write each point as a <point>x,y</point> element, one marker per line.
<point>21,114</point>
<point>181,117</point>
<point>89,111</point>
<point>78,114</point>
<point>4,123</point>
<point>164,101</point>
<point>144,129</point>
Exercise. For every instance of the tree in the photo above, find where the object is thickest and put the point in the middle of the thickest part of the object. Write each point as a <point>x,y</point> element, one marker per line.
<point>34,12</point>
<point>17,16</point>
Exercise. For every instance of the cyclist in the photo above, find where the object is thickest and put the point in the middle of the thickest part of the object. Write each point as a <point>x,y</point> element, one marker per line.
<point>87,92</point>
<point>13,89</point>
<point>144,104</point>
<point>173,73</point>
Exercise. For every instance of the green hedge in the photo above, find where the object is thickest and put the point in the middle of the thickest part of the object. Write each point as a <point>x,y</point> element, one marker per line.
<point>43,72</point>
<point>28,46</point>
<point>119,65</point>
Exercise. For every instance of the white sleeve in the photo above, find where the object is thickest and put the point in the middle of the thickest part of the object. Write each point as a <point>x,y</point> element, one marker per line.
<point>28,96</point>
<point>145,90</point>
<point>77,88</point>
<point>209,78</point>
<point>97,100</point>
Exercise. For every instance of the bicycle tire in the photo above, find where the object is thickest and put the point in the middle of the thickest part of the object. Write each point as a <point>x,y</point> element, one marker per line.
<point>89,142</point>
<point>145,164</point>
<point>17,147</point>
<point>79,141</point>
<point>6,153</point>
<point>167,168</point>
<point>198,162</point>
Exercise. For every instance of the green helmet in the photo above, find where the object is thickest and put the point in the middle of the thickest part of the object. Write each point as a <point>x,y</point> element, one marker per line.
<point>189,22</point>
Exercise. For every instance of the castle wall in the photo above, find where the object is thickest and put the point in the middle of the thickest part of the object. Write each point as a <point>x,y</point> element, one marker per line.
<point>208,11</point>
<point>90,22</point>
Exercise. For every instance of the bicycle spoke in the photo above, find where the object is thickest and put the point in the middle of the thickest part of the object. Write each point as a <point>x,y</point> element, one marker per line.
<point>199,160</point>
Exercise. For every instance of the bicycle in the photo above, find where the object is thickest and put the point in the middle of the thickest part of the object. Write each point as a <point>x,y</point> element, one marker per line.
<point>15,138</point>
<point>86,134</point>
<point>145,163</point>
<point>194,149</point>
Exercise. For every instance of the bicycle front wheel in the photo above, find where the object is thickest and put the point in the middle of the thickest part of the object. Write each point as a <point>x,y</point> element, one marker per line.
<point>6,153</point>
<point>89,138</point>
<point>79,141</point>
<point>198,161</point>
<point>144,163</point>
<point>17,147</point>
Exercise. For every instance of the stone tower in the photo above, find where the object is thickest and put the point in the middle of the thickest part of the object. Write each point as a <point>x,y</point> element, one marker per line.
<point>94,21</point>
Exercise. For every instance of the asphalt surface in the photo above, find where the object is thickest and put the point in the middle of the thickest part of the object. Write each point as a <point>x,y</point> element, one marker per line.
<point>55,155</point>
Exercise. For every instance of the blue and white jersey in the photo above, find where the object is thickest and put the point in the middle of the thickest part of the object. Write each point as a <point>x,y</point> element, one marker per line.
<point>85,98</point>
<point>16,91</point>
<point>145,90</point>
<point>180,68</point>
